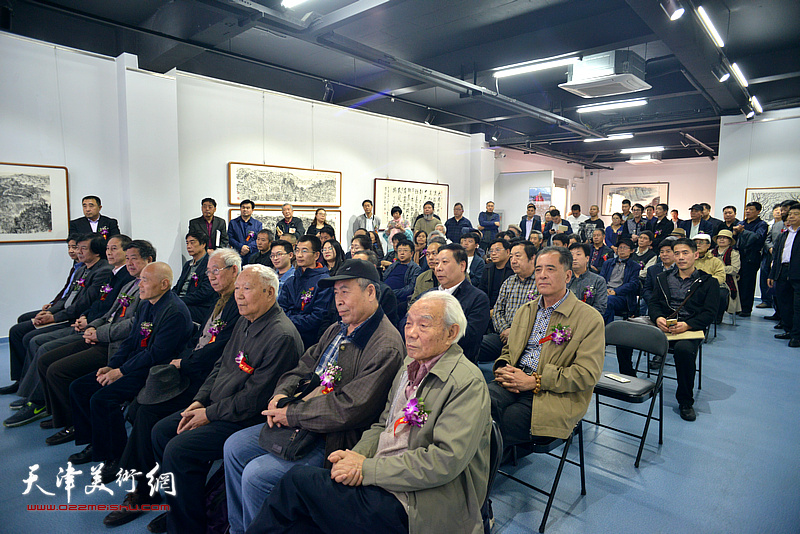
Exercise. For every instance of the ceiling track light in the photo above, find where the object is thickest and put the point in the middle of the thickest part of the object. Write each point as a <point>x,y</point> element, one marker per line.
<point>327,96</point>
<point>618,104</point>
<point>496,134</point>
<point>673,9</point>
<point>739,75</point>
<point>720,73</point>
<point>749,113</point>
<point>429,117</point>
<point>756,105</point>
<point>612,137</point>
<point>709,27</point>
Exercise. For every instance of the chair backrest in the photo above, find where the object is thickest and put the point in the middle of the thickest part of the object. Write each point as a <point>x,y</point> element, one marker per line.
<point>495,455</point>
<point>637,336</point>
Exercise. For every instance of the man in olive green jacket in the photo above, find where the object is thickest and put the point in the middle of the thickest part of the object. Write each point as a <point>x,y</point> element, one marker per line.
<point>414,473</point>
<point>552,361</point>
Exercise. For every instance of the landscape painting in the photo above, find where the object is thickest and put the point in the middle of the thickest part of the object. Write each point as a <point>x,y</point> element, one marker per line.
<point>644,194</point>
<point>34,203</point>
<point>270,217</point>
<point>274,186</point>
<point>769,196</point>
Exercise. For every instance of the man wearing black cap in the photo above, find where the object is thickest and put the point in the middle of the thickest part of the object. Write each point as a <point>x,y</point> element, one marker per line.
<point>357,357</point>
<point>696,225</point>
<point>622,278</point>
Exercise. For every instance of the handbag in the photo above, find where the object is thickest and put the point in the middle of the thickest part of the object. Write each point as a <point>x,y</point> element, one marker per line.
<point>287,443</point>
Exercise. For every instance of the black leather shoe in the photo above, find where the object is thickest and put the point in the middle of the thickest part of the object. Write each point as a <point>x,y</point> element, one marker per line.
<point>785,335</point>
<point>62,436</point>
<point>46,424</point>
<point>122,516</point>
<point>778,326</point>
<point>688,413</point>
<point>108,473</point>
<point>83,457</point>
<point>794,343</point>
<point>159,524</point>
<point>7,390</point>
<point>743,314</point>
<point>773,317</point>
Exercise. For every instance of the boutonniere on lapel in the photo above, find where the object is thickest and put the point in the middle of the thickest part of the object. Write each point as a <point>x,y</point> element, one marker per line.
<point>414,414</point>
<point>587,294</point>
<point>244,365</point>
<point>145,330</point>
<point>332,374</point>
<point>559,335</point>
<point>124,300</point>
<point>195,279</point>
<point>251,234</point>
<point>305,297</point>
<point>104,232</point>
<point>215,328</point>
<point>80,282</point>
<point>105,290</point>
<point>533,294</point>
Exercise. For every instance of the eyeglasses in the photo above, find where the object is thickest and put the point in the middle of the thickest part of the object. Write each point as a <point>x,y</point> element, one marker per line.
<point>276,255</point>
<point>216,271</point>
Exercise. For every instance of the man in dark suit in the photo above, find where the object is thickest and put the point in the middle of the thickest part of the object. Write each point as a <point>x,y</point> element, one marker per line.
<point>553,227</point>
<point>662,226</point>
<point>451,273</point>
<point>93,222</point>
<point>163,326</point>
<point>714,222</point>
<point>696,224</point>
<point>530,221</point>
<point>476,264</point>
<point>193,287</point>
<point>243,230</point>
<point>785,277</point>
<point>261,253</point>
<point>213,227</point>
<point>622,277</point>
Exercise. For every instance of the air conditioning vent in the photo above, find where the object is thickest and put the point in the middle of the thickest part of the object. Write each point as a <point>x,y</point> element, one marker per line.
<point>645,159</point>
<point>606,86</point>
<point>611,73</point>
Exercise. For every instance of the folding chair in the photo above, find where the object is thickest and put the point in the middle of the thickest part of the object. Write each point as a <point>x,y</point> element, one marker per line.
<point>699,362</point>
<point>547,448</point>
<point>647,339</point>
<point>495,456</point>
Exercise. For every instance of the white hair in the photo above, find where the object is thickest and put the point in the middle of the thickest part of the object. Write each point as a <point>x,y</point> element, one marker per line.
<point>453,314</point>
<point>267,275</point>
<point>228,256</point>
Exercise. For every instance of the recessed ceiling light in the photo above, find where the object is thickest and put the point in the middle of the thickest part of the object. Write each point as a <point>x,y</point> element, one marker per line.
<point>612,137</point>
<point>642,150</point>
<point>524,68</point>
<point>618,104</point>
<point>709,26</point>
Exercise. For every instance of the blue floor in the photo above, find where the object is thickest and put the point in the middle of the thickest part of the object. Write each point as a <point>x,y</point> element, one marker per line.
<point>735,469</point>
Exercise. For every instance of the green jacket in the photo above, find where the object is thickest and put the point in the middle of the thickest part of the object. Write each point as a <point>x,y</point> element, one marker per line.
<point>445,470</point>
<point>568,371</point>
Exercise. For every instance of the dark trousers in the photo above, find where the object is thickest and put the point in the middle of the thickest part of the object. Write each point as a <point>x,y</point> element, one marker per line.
<point>97,412</point>
<point>491,347</point>
<point>58,368</point>
<point>787,293</point>
<point>189,456</point>
<point>625,361</point>
<point>767,293</point>
<point>685,368</point>
<point>19,337</point>
<point>307,500</point>
<point>616,306</point>
<point>138,453</point>
<point>747,285</point>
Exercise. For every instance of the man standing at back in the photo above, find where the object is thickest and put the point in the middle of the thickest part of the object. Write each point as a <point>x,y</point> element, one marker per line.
<point>93,222</point>
<point>244,230</point>
<point>662,226</point>
<point>289,224</point>
<point>488,224</point>
<point>751,235</point>
<point>367,220</point>
<point>530,221</point>
<point>212,226</point>
<point>457,225</point>
<point>427,222</point>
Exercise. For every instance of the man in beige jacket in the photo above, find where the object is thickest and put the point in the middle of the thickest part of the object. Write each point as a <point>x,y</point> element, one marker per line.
<point>546,373</point>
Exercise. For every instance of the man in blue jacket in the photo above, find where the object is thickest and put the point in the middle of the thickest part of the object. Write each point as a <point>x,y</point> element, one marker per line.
<point>696,224</point>
<point>243,231</point>
<point>457,225</point>
<point>301,298</point>
<point>622,278</point>
<point>488,224</point>
<point>163,327</point>
<point>401,275</point>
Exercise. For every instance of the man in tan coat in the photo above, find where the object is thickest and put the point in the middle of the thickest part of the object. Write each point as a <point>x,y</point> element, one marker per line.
<point>546,373</point>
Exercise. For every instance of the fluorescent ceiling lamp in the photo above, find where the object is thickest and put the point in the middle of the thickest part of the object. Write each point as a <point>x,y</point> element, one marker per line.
<point>709,26</point>
<point>289,4</point>
<point>756,105</point>
<point>524,68</point>
<point>619,104</point>
<point>673,9</point>
<point>739,75</point>
<point>642,150</point>
<point>612,137</point>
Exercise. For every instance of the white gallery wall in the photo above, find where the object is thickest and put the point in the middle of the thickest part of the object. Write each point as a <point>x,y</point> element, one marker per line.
<point>152,145</point>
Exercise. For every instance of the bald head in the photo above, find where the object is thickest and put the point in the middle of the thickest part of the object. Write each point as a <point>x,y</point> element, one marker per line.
<point>155,280</point>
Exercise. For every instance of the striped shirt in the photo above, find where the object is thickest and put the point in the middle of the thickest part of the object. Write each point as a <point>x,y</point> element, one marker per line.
<point>331,354</point>
<point>530,358</point>
<point>514,292</point>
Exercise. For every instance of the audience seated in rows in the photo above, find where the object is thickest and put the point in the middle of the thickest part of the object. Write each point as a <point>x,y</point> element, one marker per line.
<point>497,271</point>
<point>622,278</point>
<point>587,286</point>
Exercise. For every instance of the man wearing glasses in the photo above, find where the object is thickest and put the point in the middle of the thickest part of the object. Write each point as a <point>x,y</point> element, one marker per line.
<point>282,256</point>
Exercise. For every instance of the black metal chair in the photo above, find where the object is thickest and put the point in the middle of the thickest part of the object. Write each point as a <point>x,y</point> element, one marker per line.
<point>699,362</point>
<point>647,339</point>
<point>495,457</point>
<point>547,448</point>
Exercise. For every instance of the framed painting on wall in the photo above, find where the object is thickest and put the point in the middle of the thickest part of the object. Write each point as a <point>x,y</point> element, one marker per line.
<point>34,203</point>
<point>644,194</point>
<point>272,185</point>
<point>769,196</point>
<point>410,196</point>
<point>269,217</point>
